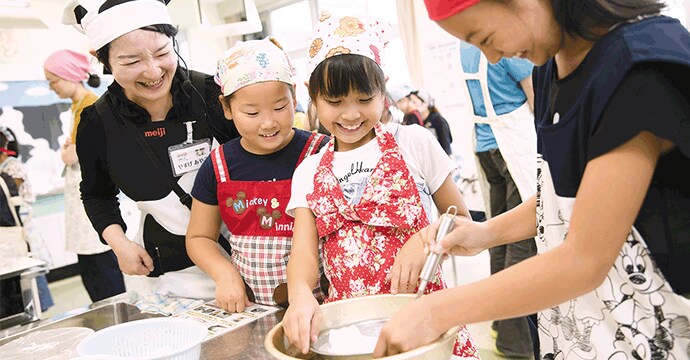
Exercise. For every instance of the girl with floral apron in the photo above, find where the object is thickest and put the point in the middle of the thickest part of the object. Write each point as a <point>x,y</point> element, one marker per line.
<point>362,205</point>
<point>360,241</point>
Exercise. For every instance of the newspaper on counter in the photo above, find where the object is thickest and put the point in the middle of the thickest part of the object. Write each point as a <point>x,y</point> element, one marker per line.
<point>219,321</point>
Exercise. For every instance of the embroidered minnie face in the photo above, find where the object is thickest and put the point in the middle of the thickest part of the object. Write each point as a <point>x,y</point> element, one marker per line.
<point>238,205</point>
<point>266,220</point>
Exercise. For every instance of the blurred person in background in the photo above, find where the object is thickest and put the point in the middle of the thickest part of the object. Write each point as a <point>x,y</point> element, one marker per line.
<point>401,97</point>
<point>422,101</point>
<point>11,168</point>
<point>505,148</point>
<point>66,71</point>
<point>301,118</point>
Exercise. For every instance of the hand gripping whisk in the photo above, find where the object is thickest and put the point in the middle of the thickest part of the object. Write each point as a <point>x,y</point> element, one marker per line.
<point>433,260</point>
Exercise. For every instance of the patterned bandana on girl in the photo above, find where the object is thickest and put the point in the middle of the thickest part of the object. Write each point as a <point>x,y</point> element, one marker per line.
<point>338,35</point>
<point>251,62</point>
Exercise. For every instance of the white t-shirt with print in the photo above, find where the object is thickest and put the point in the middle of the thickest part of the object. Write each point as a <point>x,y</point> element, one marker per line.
<point>429,166</point>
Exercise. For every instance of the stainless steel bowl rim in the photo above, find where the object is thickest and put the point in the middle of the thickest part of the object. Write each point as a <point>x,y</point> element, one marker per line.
<point>414,353</point>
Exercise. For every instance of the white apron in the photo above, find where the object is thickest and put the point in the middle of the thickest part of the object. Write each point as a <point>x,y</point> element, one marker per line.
<point>172,215</point>
<point>515,135</point>
<point>80,237</point>
<point>634,314</point>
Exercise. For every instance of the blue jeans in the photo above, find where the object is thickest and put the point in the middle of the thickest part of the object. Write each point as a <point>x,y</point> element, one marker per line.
<point>44,296</point>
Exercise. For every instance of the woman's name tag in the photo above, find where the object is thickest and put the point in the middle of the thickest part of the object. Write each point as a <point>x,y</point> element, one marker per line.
<point>188,157</point>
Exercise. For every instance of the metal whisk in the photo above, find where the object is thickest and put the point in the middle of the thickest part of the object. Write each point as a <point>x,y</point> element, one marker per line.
<point>433,260</point>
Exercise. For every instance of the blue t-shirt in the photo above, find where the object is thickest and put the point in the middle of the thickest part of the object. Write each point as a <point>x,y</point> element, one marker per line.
<point>505,91</point>
<point>245,166</point>
<point>504,81</point>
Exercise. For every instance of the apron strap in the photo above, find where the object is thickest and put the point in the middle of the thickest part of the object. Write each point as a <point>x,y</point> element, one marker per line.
<point>312,146</point>
<point>220,167</point>
<point>222,172</point>
<point>482,77</point>
<point>484,83</point>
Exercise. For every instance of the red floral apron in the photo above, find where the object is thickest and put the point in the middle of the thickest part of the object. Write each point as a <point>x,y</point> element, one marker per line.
<point>260,230</point>
<point>362,240</point>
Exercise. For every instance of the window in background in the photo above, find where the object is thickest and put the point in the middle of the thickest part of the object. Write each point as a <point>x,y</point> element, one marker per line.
<point>291,25</point>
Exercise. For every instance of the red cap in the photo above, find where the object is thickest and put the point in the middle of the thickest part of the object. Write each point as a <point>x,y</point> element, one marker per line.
<point>442,9</point>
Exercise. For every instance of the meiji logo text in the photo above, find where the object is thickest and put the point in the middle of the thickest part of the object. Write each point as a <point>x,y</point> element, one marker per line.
<point>160,132</point>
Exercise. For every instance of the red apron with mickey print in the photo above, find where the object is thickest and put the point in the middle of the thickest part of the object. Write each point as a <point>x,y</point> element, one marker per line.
<point>362,240</point>
<point>260,230</point>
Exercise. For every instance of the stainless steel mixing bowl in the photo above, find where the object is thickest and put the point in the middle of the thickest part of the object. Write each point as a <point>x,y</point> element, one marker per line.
<point>353,311</point>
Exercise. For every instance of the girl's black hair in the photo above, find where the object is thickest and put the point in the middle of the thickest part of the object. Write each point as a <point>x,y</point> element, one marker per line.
<point>94,81</point>
<point>103,54</point>
<point>580,17</point>
<point>336,76</point>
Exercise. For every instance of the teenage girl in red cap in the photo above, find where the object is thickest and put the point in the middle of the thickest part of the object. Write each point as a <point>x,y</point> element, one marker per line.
<point>611,210</point>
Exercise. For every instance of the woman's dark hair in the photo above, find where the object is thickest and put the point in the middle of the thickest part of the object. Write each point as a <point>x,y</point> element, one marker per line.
<point>9,142</point>
<point>429,105</point>
<point>338,75</point>
<point>94,81</point>
<point>580,17</point>
<point>103,54</point>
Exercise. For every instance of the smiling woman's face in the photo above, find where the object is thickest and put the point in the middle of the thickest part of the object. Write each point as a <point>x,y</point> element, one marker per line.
<point>143,63</point>
<point>511,28</point>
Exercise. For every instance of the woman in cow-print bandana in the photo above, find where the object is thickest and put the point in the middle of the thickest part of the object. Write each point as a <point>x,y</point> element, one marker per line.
<point>125,141</point>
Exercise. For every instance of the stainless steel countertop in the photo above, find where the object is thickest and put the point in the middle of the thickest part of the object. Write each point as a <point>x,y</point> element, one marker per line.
<point>245,342</point>
<point>15,266</point>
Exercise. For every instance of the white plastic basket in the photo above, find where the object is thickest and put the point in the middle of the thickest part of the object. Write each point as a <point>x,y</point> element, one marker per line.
<point>148,339</point>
